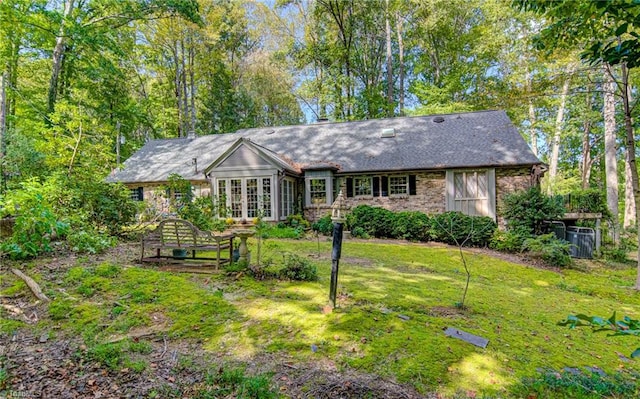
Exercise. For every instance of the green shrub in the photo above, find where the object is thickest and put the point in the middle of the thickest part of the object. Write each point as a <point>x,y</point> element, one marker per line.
<point>90,242</point>
<point>507,241</point>
<point>411,225</point>
<point>359,232</point>
<point>36,224</point>
<point>575,383</point>
<point>615,254</point>
<point>297,221</point>
<point>85,201</point>
<point>299,269</point>
<point>200,213</point>
<point>589,201</point>
<point>324,225</point>
<point>550,249</point>
<point>108,206</point>
<point>456,228</point>
<point>376,222</point>
<point>528,210</point>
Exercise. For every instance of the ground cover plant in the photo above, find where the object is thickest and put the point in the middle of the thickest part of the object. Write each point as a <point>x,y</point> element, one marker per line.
<point>394,300</point>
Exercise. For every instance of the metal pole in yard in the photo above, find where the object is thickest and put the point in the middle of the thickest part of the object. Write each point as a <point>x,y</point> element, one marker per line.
<point>335,260</point>
<point>338,210</point>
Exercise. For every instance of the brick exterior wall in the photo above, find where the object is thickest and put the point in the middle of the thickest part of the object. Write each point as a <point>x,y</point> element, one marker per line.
<point>509,181</point>
<point>430,195</point>
<point>429,198</point>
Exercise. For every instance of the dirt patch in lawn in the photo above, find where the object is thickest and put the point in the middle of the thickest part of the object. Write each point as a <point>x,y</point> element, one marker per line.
<point>42,361</point>
<point>446,311</point>
<point>39,367</point>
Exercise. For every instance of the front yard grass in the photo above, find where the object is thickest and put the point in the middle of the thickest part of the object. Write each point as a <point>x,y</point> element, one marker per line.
<point>394,301</point>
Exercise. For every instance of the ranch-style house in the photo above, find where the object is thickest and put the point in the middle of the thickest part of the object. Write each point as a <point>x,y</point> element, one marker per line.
<point>465,162</point>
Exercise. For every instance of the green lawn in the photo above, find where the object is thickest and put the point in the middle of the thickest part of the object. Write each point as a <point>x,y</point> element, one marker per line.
<point>514,306</point>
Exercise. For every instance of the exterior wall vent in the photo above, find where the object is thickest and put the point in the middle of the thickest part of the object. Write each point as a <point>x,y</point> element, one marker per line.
<point>388,133</point>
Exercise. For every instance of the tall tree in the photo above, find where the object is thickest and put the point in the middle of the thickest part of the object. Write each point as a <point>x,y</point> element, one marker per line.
<point>607,31</point>
<point>610,148</point>
<point>559,126</point>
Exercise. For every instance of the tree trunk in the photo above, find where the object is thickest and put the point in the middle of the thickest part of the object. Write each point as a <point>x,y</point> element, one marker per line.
<point>400,65</point>
<point>631,155</point>
<point>186,128</point>
<point>555,142</point>
<point>533,134</point>
<point>610,161</point>
<point>629,203</point>
<point>11,80</point>
<point>387,26</point>
<point>177,87</point>
<point>3,133</point>
<point>192,84</point>
<point>586,145</point>
<point>58,57</point>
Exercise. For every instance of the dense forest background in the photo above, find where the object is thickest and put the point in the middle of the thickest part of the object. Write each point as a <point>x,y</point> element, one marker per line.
<point>86,82</point>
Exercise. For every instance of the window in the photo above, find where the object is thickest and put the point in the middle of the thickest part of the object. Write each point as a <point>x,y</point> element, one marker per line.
<point>398,185</point>
<point>318,191</point>
<point>252,198</point>
<point>471,192</point>
<point>222,198</point>
<point>286,198</point>
<point>265,200</point>
<point>235,197</point>
<point>245,198</point>
<point>381,186</point>
<point>136,194</point>
<point>362,186</point>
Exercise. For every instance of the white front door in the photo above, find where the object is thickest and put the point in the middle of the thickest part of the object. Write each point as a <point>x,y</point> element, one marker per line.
<point>248,197</point>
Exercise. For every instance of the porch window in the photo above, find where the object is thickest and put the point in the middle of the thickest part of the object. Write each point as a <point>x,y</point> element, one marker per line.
<point>246,198</point>
<point>235,197</point>
<point>286,198</point>
<point>252,198</point>
<point>471,192</point>
<point>222,198</point>
<point>265,200</point>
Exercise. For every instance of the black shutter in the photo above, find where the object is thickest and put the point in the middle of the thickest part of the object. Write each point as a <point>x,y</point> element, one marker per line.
<point>385,186</point>
<point>349,186</point>
<point>412,184</point>
<point>376,186</point>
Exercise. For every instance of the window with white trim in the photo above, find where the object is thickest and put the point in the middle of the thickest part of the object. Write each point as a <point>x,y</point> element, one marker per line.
<point>265,198</point>
<point>362,186</point>
<point>286,198</point>
<point>235,197</point>
<point>318,191</point>
<point>222,198</point>
<point>246,198</point>
<point>398,185</point>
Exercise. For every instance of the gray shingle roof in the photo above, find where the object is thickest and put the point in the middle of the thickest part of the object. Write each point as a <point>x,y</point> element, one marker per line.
<point>473,139</point>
